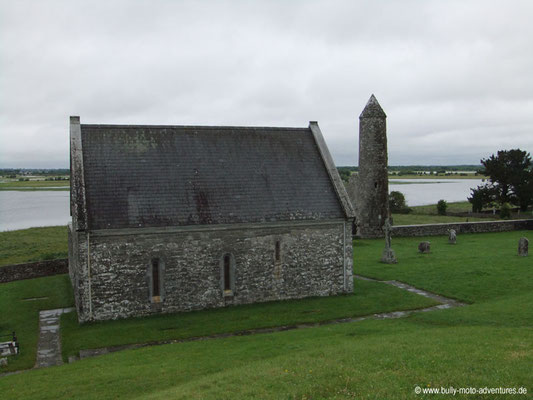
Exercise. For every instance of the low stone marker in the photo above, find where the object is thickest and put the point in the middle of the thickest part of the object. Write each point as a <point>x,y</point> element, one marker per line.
<point>424,247</point>
<point>388,256</point>
<point>452,236</point>
<point>523,245</point>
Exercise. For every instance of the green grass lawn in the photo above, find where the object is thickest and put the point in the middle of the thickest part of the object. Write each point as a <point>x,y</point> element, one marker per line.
<point>433,177</point>
<point>428,215</point>
<point>368,298</point>
<point>453,207</point>
<point>488,343</point>
<point>22,316</point>
<point>479,267</point>
<point>34,244</point>
<point>35,185</point>
<point>371,360</point>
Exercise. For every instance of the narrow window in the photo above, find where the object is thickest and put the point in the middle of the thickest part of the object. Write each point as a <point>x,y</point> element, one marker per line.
<point>278,251</point>
<point>227,272</point>
<point>156,284</point>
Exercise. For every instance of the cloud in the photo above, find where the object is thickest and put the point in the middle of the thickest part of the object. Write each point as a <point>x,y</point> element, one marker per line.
<point>453,77</point>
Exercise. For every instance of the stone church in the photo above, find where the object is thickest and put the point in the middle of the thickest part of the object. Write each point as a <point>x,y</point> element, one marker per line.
<point>179,218</point>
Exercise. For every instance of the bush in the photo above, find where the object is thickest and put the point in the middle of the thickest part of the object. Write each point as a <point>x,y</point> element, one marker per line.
<point>397,203</point>
<point>505,211</point>
<point>483,196</point>
<point>441,207</point>
<point>477,200</point>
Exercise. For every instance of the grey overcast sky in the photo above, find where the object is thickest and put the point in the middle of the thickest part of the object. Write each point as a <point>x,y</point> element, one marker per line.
<point>454,77</point>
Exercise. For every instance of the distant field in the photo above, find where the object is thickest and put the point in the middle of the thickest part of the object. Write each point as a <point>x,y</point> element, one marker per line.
<point>35,185</point>
<point>456,207</point>
<point>428,215</point>
<point>421,219</point>
<point>468,176</point>
<point>465,207</point>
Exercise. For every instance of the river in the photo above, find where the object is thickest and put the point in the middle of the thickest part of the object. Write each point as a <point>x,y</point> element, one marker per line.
<point>421,192</point>
<point>26,209</point>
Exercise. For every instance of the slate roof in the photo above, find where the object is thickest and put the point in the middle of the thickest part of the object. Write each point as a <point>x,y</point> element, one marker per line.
<point>155,176</point>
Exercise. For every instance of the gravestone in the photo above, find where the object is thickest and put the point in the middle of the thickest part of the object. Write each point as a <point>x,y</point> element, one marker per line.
<point>452,236</point>
<point>388,256</point>
<point>424,247</point>
<point>523,245</point>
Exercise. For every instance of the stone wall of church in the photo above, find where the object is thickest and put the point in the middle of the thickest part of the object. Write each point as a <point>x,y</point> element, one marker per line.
<point>113,277</point>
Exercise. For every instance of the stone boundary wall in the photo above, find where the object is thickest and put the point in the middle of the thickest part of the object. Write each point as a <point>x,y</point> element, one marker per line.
<point>16,272</point>
<point>461,227</point>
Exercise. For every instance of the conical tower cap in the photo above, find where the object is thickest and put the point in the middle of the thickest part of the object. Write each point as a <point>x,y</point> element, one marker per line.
<point>373,109</point>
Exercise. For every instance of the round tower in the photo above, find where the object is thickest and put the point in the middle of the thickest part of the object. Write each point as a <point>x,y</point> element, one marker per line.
<point>371,187</point>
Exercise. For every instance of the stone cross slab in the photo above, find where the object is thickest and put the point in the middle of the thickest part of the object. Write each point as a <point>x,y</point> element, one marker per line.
<point>388,256</point>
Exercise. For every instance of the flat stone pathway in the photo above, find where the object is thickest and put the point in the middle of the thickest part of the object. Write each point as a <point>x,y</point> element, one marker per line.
<point>49,345</point>
<point>441,299</point>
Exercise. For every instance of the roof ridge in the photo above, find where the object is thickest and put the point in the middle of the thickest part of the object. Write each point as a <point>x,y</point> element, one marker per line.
<point>213,127</point>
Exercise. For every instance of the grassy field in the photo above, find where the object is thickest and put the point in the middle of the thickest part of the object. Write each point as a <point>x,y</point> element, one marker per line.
<point>21,315</point>
<point>35,185</point>
<point>428,215</point>
<point>468,176</point>
<point>34,244</point>
<point>421,219</point>
<point>455,207</point>
<point>368,298</point>
<point>486,344</point>
<point>479,267</point>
